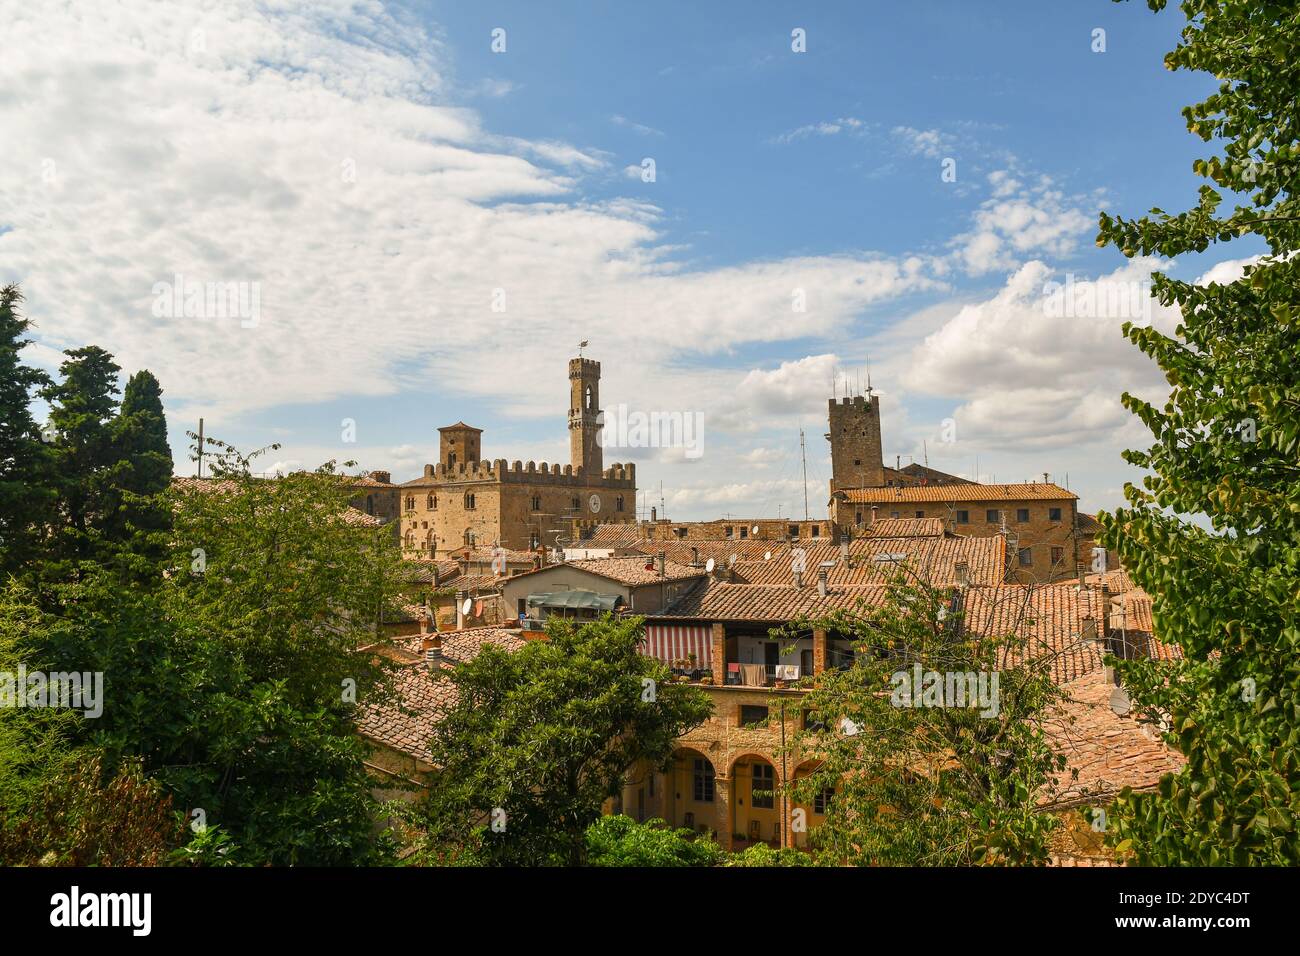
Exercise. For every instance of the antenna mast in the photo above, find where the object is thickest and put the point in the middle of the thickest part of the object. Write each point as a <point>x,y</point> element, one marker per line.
<point>803,453</point>
<point>200,448</point>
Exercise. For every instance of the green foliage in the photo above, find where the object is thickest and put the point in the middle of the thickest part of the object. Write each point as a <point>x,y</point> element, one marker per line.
<point>760,854</point>
<point>926,785</point>
<point>621,841</point>
<point>24,459</point>
<point>79,819</point>
<point>1226,447</point>
<point>545,734</point>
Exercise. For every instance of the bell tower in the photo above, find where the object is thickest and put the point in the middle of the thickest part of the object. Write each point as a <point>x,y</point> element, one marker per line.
<point>584,417</point>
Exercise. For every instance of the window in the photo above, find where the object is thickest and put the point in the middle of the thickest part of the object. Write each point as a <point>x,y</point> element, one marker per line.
<point>1022,515</point>
<point>410,502</point>
<point>536,504</point>
<point>1026,557</point>
<point>727,532</point>
<point>590,398</point>
<point>857,517</point>
<point>410,540</point>
<point>963,517</point>
<point>575,504</point>
<point>451,460</point>
<point>752,714</point>
<point>1058,555</point>
<point>822,800</point>
<point>762,787</point>
<point>857,461</point>
<point>992,516</point>
<point>680,532</point>
<point>434,504</point>
<point>794,530</point>
<point>744,532</point>
<point>370,504</point>
<point>428,502</point>
<point>469,501</point>
<point>893,514</point>
<point>703,781</point>
<point>534,541</point>
<point>618,503</point>
<point>918,514</point>
<point>816,531</point>
<point>813,722</point>
<point>469,538</point>
<point>1054,514</point>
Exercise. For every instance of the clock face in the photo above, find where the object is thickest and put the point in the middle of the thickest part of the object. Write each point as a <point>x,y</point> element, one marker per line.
<point>594,503</point>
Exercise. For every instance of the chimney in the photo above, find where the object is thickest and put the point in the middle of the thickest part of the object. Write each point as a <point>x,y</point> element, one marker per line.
<point>383,476</point>
<point>659,563</point>
<point>874,509</point>
<point>963,573</point>
<point>695,556</point>
<point>798,579</point>
<point>431,644</point>
<point>461,597</point>
<point>435,574</point>
<point>821,582</point>
<point>654,514</point>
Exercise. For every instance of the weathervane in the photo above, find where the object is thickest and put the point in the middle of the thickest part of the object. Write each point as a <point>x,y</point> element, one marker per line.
<point>581,345</point>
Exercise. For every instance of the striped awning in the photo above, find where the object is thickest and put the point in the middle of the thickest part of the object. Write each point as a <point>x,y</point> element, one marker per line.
<point>670,642</point>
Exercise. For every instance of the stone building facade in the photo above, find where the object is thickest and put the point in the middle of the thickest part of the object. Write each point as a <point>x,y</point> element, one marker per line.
<point>465,501</point>
<point>1048,539</point>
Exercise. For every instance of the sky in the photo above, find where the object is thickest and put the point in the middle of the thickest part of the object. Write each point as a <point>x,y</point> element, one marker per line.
<point>419,210</point>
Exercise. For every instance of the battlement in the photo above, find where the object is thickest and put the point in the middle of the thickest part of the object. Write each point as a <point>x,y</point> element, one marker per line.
<point>859,400</point>
<point>532,472</point>
<point>583,367</point>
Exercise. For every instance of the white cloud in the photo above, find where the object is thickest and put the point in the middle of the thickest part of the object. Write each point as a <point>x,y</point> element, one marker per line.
<point>1018,221</point>
<point>311,153</point>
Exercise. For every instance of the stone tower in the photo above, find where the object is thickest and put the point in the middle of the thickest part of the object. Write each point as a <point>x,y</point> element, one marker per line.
<point>459,444</point>
<point>584,415</point>
<point>856,459</point>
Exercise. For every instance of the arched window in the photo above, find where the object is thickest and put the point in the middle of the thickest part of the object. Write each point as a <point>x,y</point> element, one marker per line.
<point>589,401</point>
<point>577,504</point>
<point>432,502</point>
<point>451,459</point>
<point>534,541</point>
<point>469,501</point>
<point>410,540</point>
<point>469,537</point>
<point>410,502</point>
<point>618,503</point>
<point>537,502</point>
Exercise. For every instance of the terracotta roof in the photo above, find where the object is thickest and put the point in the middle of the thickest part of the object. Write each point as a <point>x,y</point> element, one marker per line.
<point>877,560</point>
<point>1050,619</point>
<point>355,516</point>
<point>720,549</point>
<point>960,493</point>
<point>906,528</point>
<point>629,571</point>
<point>718,601</point>
<point>424,699</point>
<point>420,570</point>
<point>447,428</point>
<point>1088,524</point>
<point>1108,751</point>
<point>611,536</point>
<point>484,555</point>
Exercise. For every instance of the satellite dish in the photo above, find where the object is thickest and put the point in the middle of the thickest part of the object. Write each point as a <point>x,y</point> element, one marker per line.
<point>755,530</point>
<point>731,561</point>
<point>1119,701</point>
<point>709,565</point>
<point>465,608</point>
<point>767,556</point>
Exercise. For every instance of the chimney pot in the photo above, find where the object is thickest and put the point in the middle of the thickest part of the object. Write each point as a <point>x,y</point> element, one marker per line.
<point>798,579</point>
<point>431,644</point>
<point>821,582</point>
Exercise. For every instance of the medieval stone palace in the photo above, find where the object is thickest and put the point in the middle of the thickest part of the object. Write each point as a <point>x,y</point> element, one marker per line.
<point>465,501</point>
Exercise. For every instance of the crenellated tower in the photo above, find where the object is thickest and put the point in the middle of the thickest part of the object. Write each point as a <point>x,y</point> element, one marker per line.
<point>584,417</point>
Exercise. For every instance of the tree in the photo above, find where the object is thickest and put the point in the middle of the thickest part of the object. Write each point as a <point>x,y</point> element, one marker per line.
<point>1226,446</point>
<point>236,680</point>
<point>82,406</point>
<point>912,774</point>
<point>136,515</point>
<point>24,459</point>
<point>540,737</point>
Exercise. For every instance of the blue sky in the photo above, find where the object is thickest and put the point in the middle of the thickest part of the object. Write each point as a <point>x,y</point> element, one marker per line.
<point>382,178</point>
